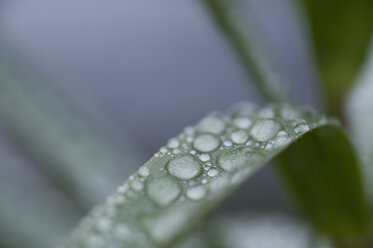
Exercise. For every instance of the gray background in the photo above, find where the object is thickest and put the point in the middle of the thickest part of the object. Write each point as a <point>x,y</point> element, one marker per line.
<point>149,68</point>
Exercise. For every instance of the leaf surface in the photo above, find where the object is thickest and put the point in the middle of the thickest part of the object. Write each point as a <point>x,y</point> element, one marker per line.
<point>186,179</point>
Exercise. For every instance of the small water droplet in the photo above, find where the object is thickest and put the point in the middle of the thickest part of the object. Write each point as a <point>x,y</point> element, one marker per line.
<point>123,188</point>
<point>196,193</point>
<point>144,171</point>
<point>204,157</point>
<point>163,149</point>
<point>184,167</point>
<point>266,113</point>
<point>242,122</point>
<point>137,185</point>
<point>173,143</point>
<point>289,114</point>
<point>189,139</point>
<point>103,224</point>
<point>265,130</point>
<point>243,109</point>
<point>228,143</point>
<point>163,190</point>
<point>239,136</point>
<point>206,142</point>
<point>212,172</point>
<point>176,151</point>
<point>302,128</point>
<point>212,124</point>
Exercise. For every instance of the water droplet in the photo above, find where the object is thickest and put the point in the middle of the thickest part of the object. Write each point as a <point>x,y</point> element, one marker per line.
<point>173,143</point>
<point>144,171</point>
<point>239,137</point>
<point>302,128</point>
<point>227,143</point>
<point>265,130</point>
<point>137,185</point>
<point>212,172</point>
<point>164,226</point>
<point>289,114</point>
<point>103,224</point>
<point>204,157</point>
<point>189,131</point>
<point>242,122</point>
<point>212,124</point>
<point>206,142</point>
<point>163,149</point>
<point>176,151</point>
<point>163,190</point>
<point>243,109</point>
<point>189,139</point>
<point>184,167</point>
<point>193,152</point>
<point>196,193</point>
<point>266,113</point>
<point>232,159</point>
<point>123,188</point>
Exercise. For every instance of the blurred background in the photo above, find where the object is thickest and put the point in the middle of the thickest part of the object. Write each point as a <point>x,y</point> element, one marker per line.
<point>143,70</point>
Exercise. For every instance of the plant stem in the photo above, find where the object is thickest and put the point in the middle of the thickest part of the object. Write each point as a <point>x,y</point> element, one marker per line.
<point>233,19</point>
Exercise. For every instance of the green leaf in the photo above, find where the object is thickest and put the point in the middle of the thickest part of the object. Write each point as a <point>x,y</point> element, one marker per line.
<point>234,19</point>
<point>360,118</point>
<point>71,150</point>
<point>33,213</point>
<point>269,230</point>
<point>323,156</point>
<point>186,179</point>
<point>341,32</point>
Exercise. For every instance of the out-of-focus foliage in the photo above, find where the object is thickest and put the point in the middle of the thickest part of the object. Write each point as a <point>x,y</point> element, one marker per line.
<point>360,117</point>
<point>33,213</point>
<point>64,144</point>
<point>234,19</point>
<point>341,30</point>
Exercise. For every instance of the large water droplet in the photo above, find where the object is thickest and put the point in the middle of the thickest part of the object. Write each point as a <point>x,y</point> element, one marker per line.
<point>265,130</point>
<point>212,124</point>
<point>196,193</point>
<point>163,190</point>
<point>206,142</point>
<point>184,167</point>
<point>239,137</point>
<point>231,159</point>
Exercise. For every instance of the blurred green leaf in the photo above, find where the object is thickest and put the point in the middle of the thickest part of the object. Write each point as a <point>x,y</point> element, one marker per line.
<point>265,230</point>
<point>341,32</point>
<point>322,172</point>
<point>234,19</point>
<point>360,117</point>
<point>78,157</point>
<point>185,180</point>
<point>33,213</point>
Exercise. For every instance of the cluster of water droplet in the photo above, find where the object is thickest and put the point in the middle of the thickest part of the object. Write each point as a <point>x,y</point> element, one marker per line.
<point>195,167</point>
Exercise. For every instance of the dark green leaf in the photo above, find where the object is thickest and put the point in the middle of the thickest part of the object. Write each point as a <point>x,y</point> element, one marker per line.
<point>341,32</point>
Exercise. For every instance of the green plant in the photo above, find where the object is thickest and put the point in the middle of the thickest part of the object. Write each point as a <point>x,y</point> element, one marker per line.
<point>166,202</point>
